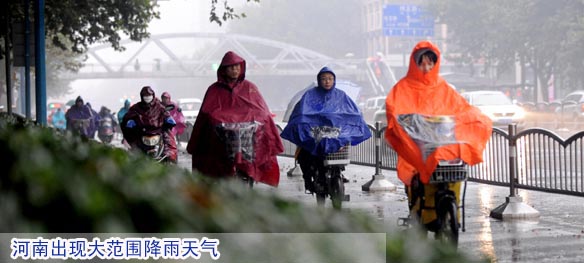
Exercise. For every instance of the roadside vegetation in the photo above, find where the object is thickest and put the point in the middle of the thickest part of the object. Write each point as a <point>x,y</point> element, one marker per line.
<point>58,183</point>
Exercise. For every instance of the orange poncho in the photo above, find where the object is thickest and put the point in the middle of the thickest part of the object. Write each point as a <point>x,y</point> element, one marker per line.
<point>429,94</point>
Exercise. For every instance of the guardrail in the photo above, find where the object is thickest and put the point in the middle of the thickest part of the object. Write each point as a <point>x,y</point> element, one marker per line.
<point>541,159</point>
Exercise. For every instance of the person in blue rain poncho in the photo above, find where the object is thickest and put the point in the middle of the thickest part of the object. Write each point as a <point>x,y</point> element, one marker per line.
<point>124,110</point>
<point>324,120</point>
<point>59,120</point>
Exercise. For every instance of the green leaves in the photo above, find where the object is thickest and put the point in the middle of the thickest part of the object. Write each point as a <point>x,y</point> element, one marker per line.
<point>544,35</point>
<point>58,183</point>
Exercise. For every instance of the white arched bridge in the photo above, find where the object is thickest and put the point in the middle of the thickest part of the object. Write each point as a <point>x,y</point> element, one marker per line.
<point>194,55</point>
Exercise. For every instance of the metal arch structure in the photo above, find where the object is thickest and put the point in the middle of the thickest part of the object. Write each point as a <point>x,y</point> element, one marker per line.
<point>282,59</point>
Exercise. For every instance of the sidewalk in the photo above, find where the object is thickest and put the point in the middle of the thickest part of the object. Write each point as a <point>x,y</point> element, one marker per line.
<point>558,235</point>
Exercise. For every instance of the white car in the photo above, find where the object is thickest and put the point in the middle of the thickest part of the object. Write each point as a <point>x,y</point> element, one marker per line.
<point>498,107</point>
<point>190,108</point>
<point>571,107</point>
<point>380,116</point>
<point>373,105</point>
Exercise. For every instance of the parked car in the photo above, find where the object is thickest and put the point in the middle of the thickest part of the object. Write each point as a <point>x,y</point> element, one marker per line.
<point>498,107</point>
<point>572,106</point>
<point>380,116</point>
<point>190,108</point>
<point>372,105</point>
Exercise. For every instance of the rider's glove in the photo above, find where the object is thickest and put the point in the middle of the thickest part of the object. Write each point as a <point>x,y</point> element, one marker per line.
<point>131,124</point>
<point>169,122</point>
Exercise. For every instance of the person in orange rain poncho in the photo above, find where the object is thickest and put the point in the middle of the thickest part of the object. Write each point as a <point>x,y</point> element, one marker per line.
<point>422,91</point>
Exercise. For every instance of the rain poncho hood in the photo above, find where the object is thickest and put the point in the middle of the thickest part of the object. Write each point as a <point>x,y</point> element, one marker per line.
<point>176,114</point>
<point>325,120</point>
<point>227,105</point>
<point>429,95</point>
<point>123,110</point>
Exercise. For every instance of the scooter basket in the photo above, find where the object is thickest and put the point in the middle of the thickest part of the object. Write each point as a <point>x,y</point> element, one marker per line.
<point>341,157</point>
<point>447,174</point>
<point>239,137</point>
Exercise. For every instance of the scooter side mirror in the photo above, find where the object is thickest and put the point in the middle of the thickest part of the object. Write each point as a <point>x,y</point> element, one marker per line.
<point>169,107</point>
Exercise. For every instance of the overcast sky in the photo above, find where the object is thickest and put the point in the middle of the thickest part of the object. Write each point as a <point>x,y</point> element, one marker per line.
<point>176,16</point>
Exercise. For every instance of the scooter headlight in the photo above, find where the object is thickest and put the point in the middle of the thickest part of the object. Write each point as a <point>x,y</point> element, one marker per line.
<point>151,140</point>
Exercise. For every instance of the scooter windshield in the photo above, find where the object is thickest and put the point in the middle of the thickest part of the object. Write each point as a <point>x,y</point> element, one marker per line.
<point>429,131</point>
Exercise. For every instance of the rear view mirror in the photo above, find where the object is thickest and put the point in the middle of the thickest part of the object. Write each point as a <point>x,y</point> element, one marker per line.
<point>169,107</point>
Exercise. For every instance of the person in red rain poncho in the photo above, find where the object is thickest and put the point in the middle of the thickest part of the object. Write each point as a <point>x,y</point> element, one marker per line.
<point>423,91</point>
<point>234,108</point>
<point>176,114</point>
<point>149,116</point>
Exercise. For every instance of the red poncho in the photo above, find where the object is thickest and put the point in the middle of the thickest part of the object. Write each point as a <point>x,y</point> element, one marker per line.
<point>149,118</point>
<point>238,102</point>
<point>177,115</point>
<point>429,94</point>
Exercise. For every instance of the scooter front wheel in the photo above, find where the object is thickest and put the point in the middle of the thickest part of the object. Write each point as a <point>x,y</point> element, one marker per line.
<point>447,213</point>
<point>246,179</point>
<point>337,192</point>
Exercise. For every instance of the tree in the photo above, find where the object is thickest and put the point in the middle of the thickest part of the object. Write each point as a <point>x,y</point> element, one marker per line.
<point>228,12</point>
<point>323,25</point>
<point>73,25</point>
<point>544,36</point>
<point>60,61</point>
<point>76,24</point>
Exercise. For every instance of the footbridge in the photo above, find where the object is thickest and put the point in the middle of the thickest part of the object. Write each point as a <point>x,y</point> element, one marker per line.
<point>196,55</point>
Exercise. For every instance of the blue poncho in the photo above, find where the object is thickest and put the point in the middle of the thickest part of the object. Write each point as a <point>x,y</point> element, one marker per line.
<point>325,120</point>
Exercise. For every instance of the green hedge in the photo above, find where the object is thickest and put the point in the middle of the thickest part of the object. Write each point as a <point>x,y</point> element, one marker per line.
<point>58,183</point>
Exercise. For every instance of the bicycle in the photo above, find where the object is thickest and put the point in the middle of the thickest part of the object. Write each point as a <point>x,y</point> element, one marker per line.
<point>446,205</point>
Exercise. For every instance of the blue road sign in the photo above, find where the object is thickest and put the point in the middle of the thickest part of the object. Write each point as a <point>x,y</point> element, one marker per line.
<point>407,20</point>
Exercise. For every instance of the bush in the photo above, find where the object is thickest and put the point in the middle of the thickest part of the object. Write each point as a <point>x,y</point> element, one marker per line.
<point>58,183</point>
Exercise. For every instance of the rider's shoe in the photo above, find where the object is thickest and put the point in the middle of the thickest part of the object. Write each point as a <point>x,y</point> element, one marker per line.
<point>308,187</point>
<point>345,180</point>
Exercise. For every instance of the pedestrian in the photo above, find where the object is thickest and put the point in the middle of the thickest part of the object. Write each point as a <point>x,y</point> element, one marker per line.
<point>323,107</point>
<point>234,132</point>
<point>423,93</point>
<point>137,65</point>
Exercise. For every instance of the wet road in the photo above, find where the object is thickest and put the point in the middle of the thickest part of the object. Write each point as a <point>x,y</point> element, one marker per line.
<point>557,236</point>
